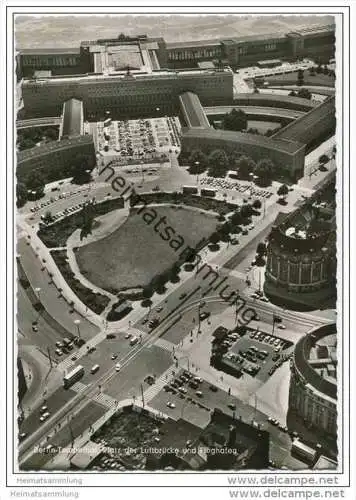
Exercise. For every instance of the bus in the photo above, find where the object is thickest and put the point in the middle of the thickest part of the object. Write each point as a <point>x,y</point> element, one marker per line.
<point>304,452</point>
<point>73,376</point>
<point>208,192</point>
<point>190,190</point>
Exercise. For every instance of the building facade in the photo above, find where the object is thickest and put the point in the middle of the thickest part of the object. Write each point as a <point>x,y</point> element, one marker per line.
<point>313,384</point>
<point>52,160</point>
<point>287,155</point>
<point>132,94</point>
<point>301,256</point>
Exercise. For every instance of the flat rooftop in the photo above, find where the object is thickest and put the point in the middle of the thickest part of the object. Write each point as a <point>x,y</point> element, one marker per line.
<point>48,51</point>
<point>289,147</point>
<point>192,110</point>
<point>72,124</point>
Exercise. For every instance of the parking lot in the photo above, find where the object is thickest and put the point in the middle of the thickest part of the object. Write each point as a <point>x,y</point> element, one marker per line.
<point>142,139</point>
<point>242,188</point>
<point>258,353</point>
<point>193,399</point>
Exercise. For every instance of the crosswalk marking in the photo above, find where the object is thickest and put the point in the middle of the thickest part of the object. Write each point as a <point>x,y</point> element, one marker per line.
<point>165,344</point>
<point>154,389</point>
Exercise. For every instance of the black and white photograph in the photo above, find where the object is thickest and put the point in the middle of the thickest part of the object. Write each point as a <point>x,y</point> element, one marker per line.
<point>179,245</point>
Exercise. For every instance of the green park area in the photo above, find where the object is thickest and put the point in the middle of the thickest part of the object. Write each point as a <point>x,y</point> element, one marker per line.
<point>143,248</point>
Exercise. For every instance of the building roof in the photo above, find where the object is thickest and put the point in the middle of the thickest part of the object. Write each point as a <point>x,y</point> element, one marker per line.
<point>302,350</point>
<point>298,130</point>
<point>284,146</point>
<point>193,111</point>
<point>193,43</point>
<point>49,51</point>
<point>51,147</point>
<point>72,123</point>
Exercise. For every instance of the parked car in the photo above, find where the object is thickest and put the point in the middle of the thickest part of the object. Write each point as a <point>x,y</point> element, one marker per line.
<point>171,405</point>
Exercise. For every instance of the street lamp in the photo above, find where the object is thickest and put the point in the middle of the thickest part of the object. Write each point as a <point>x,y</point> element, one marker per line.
<point>197,163</point>
<point>77,323</point>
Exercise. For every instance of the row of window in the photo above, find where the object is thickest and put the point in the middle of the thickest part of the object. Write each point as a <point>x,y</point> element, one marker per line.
<point>185,55</point>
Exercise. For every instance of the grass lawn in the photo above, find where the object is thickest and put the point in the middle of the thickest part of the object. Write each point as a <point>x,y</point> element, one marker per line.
<point>292,79</point>
<point>133,254</point>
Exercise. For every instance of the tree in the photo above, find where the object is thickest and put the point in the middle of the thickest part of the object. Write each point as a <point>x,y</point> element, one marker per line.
<point>48,217</point>
<point>214,238</point>
<point>21,194</point>
<point>304,94</point>
<point>257,204</point>
<point>235,120</point>
<point>245,166</point>
<point>35,181</point>
<point>300,77</point>
<point>283,190</point>
<point>323,159</point>
<point>312,71</point>
<point>265,170</point>
<point>246,211</point>
<point>197,161</point>
<point>261,248</point>
<point>218,163</point>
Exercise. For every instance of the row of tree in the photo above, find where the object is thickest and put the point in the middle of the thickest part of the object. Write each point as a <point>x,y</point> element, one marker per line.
<point>31,186</point>
<point>218,163</point>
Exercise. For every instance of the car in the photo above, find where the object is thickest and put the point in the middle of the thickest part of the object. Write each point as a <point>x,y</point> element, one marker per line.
<point>232,406</point>
<point>167,388</point>
<point>22,436</point>
<point>171,405</point>
<point>281,327</point>
<point>234,241</point>
<point>264,299</point>
<point>59,352</point>
<point>204,315</point>
<point>188,375</point>
<point>244,232</point>
<point>159,309</point>
<point>34,328</point>
<point>44,416</point>
<point>276,342</point>
<point>183,390</point>
<point>117,367</point>
<point>128,336</point>
<point>43,409</point>
<point>59,345</point>
<point>213,388</point>
<point>114,356</point>
<point>110,336</point>
<point>91,349</point>
<point>193,384</point>
<point>199,394</point>
<point>144,321</point>
<point>182,296</point>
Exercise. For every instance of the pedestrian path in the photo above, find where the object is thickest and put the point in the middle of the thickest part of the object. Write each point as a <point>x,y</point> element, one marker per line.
<point>165,344</point>
<point>79,387</point>
<point>154,389</point>
<point>104,400</point>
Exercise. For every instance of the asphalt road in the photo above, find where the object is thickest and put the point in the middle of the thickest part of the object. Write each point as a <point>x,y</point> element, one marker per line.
<point>63,437</point>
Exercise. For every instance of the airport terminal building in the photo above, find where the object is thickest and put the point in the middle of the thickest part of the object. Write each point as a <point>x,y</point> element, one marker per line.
<point>313,384</point>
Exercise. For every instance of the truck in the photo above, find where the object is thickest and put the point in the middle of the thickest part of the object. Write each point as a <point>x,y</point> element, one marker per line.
<point>190,190</point>
<point>73,376</point>
<point>208,192</point>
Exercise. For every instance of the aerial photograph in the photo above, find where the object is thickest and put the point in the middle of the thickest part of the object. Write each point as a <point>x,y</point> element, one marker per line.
<point>176,243</point>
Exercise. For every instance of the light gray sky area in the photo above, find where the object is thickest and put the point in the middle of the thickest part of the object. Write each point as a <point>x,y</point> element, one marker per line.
<point>69,30</point>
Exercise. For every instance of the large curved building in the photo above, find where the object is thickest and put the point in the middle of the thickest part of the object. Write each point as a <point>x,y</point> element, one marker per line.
<point>313,384</point>
<point>301,256</point>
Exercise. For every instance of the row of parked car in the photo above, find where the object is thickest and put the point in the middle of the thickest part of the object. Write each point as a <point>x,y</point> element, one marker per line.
<point>66,345</point>
<point>277,343</point>
<point>53,199</point>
